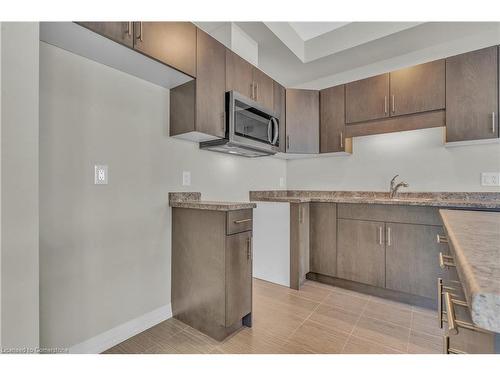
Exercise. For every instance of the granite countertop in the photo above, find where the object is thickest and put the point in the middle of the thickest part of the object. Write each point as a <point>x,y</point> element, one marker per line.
<point>475,237</point>
<point>193,200</point>
<point>439,199</point>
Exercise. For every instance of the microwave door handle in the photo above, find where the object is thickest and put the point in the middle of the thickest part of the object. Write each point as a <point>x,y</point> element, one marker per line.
<point>269,131</point>
<point>276,131</point>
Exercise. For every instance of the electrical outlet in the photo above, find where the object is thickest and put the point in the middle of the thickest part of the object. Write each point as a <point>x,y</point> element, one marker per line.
<point>490,179</point>
<point>186,178</point>
<point>100,175</point>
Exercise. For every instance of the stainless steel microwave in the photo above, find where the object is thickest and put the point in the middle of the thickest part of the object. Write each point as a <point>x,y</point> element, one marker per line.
<point>251,129</point>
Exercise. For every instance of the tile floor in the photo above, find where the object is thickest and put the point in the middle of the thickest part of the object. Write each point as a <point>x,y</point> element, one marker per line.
<point>317,319</point>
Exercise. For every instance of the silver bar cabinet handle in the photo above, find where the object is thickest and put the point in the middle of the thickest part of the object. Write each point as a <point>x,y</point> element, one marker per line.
<point>493,127</point>
<point>140,31</point>
<point>385,104</point>
<point>242,221</point>
<point>248,248</point>
<point>341,140</point>
<point>287,142</point>
<point>380,235</point>
<point>393,104</point>
<point>388,236</point>
<point>129,28</point>
<point>441,239</point>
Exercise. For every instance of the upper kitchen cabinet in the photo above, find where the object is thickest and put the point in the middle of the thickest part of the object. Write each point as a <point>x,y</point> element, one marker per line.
<point>197,107</point>
<point>239,74</point>
<point>279,104</point>
<point>367,99</point>
<point>210,85</point>
<point>302,121</point>
<point>243,77</point>
<point>418,89</point>
<point>332,121</point>
<point>121,32</point>
<point>172,43</point>
<point>263,89</point>
<point>472,95</point>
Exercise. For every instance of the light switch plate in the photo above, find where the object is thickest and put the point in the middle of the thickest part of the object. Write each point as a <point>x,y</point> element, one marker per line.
<point>100,174</point>
<point>186,178</point>
<point>490,179</point>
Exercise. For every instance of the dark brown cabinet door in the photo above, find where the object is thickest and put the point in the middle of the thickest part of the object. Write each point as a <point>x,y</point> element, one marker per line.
<point>238,277</point>
<point>210,85</point>
<point>367,99</point>
<point>263,89</point>
<point>332,119</point>
<point>412,254</point>
<point>418,89</point>
<point>172,43</point>
<point>361,251</point>
<point>302,121</point>
<point>121,32</point>
<point>323,238</point>
<point>279,109</point>
<point>239,74</point>
<point>472,95</point>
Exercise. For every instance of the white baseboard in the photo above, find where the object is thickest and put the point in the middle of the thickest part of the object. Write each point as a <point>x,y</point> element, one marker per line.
<point>114,336</point>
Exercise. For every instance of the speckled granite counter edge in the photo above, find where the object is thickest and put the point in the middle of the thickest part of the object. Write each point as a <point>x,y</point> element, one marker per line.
<point>193,200</point>
<point>484,306</point>
<point>481,200</point>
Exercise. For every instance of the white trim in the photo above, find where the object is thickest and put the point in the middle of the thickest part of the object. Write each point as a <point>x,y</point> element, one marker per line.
<point>114,336</point>
<point>472,142</point>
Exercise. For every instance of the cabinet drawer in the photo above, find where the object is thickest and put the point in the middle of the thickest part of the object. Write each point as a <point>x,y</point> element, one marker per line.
<point>393,214</point>
<point>239,221</point>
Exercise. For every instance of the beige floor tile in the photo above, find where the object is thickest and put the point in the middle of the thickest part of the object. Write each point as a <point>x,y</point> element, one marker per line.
<point>391,335</point>
<point>426,323</point>
<point>396,313</point>
<point>346,300</point>
<point>253,341</point>
<point>278,323</point>
<point>311,292</point>
<point>335,317</point>
<point>117,349</point>
<point>192,342</point>
<point>138,343</point>
<point>355,345</point>
<point>317,338</point>
<point>291,304</point>
<point>161,349</point>
<point>421,343</point>
<point>166,329</point>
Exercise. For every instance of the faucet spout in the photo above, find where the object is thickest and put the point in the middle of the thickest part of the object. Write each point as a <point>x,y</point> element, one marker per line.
<point>394,188</point>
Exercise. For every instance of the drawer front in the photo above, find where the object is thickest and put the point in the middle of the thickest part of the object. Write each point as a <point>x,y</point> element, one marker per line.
<point>387,213</point>
<point>239,221</point>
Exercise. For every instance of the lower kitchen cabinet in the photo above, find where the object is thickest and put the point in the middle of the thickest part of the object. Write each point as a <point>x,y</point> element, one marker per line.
<point>323,238</point>
<point>411,258</point>
<point>212,269</point>
<point>299,243</point>
<point>361,251</point>
<point>238,276</point>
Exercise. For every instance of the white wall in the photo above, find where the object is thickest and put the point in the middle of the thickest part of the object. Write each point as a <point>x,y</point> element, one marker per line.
<point>417,156</point>
<point>105,249</point>
<point>19,185</point>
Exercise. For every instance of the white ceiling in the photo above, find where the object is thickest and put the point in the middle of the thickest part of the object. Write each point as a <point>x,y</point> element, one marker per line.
<point>356,50</point>
<point>309,30</point>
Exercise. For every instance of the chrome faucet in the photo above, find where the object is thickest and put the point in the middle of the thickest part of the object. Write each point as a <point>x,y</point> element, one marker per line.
<point>394,187</point>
